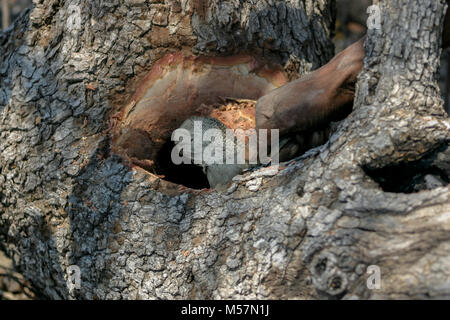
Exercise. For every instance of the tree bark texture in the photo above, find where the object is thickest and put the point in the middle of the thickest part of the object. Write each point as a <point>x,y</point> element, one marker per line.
<point>311,228</point>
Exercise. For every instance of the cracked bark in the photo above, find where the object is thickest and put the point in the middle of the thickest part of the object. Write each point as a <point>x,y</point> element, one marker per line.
<point>67,200</point>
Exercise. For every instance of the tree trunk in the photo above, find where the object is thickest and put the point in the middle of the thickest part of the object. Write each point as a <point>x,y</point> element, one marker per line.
<point>311,229</point>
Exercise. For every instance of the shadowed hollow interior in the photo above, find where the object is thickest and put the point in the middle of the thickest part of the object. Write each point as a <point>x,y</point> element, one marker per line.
<point>175,89</point>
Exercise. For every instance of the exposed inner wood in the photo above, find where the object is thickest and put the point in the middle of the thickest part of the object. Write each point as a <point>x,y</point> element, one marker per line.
<point>181,86</point>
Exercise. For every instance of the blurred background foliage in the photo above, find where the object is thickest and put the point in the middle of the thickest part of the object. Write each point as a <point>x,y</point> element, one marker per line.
<point>11,9</point>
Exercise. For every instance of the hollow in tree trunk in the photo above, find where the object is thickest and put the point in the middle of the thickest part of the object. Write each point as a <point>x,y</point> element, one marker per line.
<point>72,136</point>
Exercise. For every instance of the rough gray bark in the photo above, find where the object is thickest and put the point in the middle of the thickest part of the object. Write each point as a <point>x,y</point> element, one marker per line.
<point>310,230</point>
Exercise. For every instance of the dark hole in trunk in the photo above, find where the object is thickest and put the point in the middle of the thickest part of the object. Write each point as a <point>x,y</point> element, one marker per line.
<point>408,177</point>
<point>189,175</point>
<point>174,90</point>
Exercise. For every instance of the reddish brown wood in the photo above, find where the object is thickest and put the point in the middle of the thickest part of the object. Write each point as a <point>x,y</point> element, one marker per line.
<point>314,100</point>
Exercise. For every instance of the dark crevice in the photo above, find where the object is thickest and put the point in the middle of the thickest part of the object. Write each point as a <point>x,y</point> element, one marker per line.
<point>141,151</point>
<point>179,86</point>
<point>189,175</point>
<point>410,177</point>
